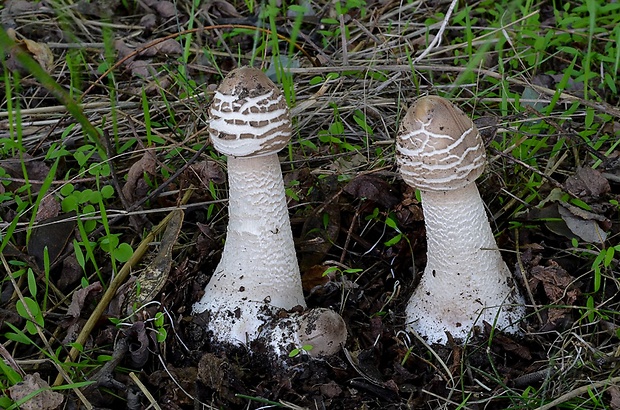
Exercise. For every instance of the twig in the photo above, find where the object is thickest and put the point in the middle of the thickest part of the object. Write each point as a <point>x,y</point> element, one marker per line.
<point>437,40</point>
<point>144,390</point>
<point>578,392</point>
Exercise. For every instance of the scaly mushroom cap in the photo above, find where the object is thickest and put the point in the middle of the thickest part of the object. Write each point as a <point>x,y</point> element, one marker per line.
<point>249,115</point>
<point>438,146</point>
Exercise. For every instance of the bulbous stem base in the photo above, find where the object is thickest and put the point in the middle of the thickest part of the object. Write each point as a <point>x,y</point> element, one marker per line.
<point>465,280</point>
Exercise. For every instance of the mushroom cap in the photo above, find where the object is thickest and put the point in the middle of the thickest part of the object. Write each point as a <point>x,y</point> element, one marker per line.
<point>324,330</point>
<point>249,115</point>
<point>438,147</point>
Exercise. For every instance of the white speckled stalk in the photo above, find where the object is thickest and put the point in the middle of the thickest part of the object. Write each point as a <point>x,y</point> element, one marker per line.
<point>465,280</point>
<point>258,271</point>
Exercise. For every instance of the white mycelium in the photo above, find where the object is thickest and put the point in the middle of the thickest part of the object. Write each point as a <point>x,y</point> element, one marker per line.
<point>258,273</point>
<point>465,282</point>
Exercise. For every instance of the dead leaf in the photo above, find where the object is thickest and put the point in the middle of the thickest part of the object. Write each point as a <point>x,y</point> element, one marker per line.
<point>136,187</point>
<point>348,165</point>
<point>36,171</point>
<point>122,49</point>
<point>15,8</point>
<point>314,276</point>
<point>208,171</point>
<point>49,207</point>
<point>103,9</point>
<point>585,228</point>
<point>40,52</point>
<point>168,47</point>
<point>71,272</point>
<point>317,238</point>
<point>148,21</point>
<point>79,298</point>
<point>73,321</point>
<point>508,344</point>
<point>558,284</point>
<point>372,188</point>
<point>569,220</point>
<point>330,390</point>
<point>587,182</point>
<point>138,344</point>
<point>165,9</point>
<point>53,234</point>
<point>45,399</point>
<point>141,68</point>
<point>221,8</point>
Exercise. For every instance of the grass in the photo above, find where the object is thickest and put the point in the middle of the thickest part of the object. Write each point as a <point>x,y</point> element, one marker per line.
<point>540,78</point>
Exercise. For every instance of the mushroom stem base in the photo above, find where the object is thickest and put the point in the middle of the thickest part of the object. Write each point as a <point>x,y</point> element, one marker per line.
<point>258,273</point>
<point>465,281</point>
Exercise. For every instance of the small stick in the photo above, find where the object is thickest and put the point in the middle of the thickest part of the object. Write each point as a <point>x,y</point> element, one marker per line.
<point>437,40</point>
<point>578,392</point>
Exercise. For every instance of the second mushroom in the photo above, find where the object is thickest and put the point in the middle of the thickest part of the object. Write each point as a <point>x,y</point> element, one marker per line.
<point>466,281</point>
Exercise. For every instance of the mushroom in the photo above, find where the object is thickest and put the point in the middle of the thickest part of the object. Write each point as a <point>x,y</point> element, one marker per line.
<point>258,273</point>
<point>466,281</point>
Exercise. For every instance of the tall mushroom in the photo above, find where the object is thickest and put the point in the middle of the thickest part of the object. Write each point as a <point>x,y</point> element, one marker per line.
<point>258,273</point>
<point>440,152</point>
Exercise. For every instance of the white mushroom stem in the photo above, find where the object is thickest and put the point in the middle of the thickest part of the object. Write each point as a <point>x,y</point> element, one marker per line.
<point>465,280</point>
<point>259,243</point>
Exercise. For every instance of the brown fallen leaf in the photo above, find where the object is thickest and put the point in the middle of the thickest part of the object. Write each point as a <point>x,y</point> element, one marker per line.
<point>206,171</point>
<point>508,344</point>
<point>73,321</point>
<point>558,284</point>
<point>585,228</point>
<point>79,299</point>
<point>52,234</point>
<point>102,9</point>
<point>45,399</point>
<point>36,171</point>
<point>49,207</point>
<point>167,47</point>
<point>563,218</point>
<point>166,9</point>
<point>587,182</point>
<point>138,344</point>
<point>221,8</point>
<point>372,188</point>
